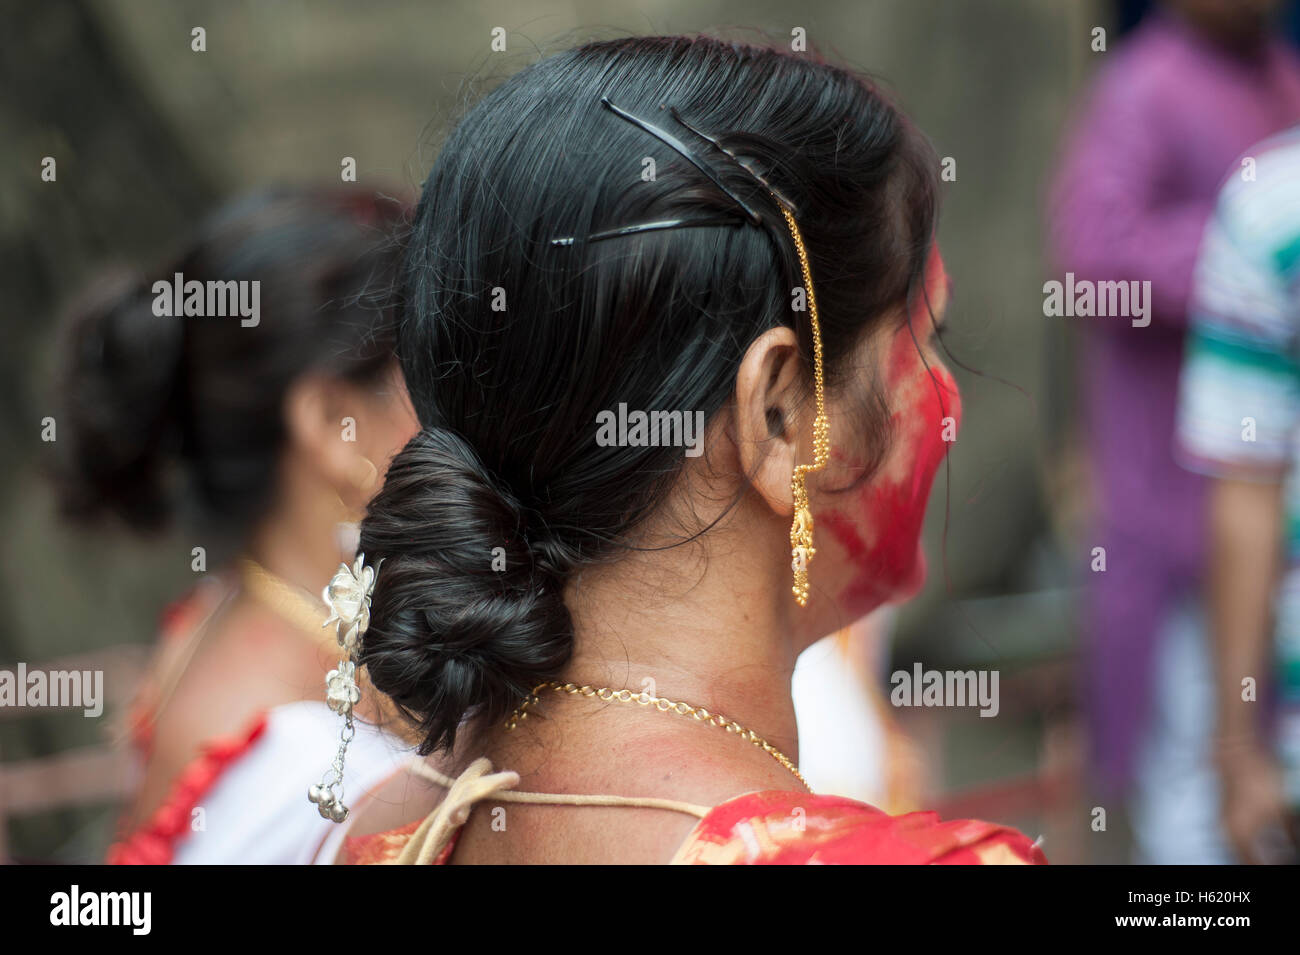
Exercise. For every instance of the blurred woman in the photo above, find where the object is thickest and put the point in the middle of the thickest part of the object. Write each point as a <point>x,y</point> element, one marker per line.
<point>246,391</point>
<point>670,308</point>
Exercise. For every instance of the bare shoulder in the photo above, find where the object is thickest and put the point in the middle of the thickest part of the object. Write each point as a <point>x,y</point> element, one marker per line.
<point>403,798</point>
<point>247,663</point>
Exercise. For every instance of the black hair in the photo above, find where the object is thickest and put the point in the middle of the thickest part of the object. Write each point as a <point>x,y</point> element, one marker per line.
<point>165,416</point>
<point>512,342</point>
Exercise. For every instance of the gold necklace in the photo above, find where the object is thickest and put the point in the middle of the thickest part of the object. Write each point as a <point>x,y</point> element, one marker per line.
<point>293,604</point>
<point>664,706</point>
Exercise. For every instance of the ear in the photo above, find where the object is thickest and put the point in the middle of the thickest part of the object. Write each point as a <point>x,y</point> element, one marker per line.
<point>769,395</point>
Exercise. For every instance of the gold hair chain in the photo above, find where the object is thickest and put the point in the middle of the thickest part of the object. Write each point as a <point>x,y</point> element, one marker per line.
<point>801,530</point>
<point>699,713</point>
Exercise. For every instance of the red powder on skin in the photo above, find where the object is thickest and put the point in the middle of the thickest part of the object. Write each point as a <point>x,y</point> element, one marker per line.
<point>891,506</point>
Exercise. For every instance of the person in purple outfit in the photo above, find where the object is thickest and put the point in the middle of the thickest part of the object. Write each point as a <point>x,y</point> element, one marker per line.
<point>1168,115</point>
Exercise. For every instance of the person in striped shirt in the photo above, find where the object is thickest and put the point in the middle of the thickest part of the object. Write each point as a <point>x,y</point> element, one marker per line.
<point>1239,423</point>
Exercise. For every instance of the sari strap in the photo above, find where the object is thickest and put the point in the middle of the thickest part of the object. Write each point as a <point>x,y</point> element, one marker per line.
<point>478,783</point>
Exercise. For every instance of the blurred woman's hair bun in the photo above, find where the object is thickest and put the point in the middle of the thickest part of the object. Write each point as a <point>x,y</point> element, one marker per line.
<point>166,415</point>
<point>468,613</point>
<point>123,367</point>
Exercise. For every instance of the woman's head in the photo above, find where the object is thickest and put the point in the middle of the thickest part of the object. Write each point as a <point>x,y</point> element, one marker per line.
<point>1238,24</point>
<point>209,415</point>
<point>522,332</point>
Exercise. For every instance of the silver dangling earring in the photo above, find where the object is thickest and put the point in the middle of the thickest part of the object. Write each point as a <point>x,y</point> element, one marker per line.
<point>348,596</point>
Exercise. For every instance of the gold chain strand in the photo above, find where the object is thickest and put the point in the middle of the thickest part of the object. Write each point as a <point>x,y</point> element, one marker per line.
<point>665,706</point>
<point>304,610</point>
<point>801,529</point>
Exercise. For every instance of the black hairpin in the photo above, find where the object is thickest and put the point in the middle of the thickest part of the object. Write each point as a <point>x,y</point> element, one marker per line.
<point>685,152</point>
<point>780,196</point>
<point>669,139</point>
<point>651,227</point>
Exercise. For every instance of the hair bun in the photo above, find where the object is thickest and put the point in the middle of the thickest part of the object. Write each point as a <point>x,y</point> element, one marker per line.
<point>118,384</point>
<point>466,617</point>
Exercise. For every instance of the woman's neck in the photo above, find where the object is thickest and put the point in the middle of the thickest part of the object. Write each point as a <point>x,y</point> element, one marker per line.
<point>687,635</point>
<point>672,622</point>
<point>296,544</point>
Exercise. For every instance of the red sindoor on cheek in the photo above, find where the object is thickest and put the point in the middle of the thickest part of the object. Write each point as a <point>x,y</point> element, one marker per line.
<point>880,531</point>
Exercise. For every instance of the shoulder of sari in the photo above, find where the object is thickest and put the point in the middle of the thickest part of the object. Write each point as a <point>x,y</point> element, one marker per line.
<point>793,828</point>
<point>155,841</point>
<point>383,848</point>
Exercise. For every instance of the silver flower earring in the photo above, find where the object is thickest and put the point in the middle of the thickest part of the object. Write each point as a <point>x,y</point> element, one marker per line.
<point>348,597</point>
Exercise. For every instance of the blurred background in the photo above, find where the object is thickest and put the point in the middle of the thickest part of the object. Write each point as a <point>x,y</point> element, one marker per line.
<point>150,134</point>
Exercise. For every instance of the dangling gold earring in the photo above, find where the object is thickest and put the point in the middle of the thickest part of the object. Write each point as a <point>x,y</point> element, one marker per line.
<point>347,529</point>
<point>364,476</point>
<point>801,530</point>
